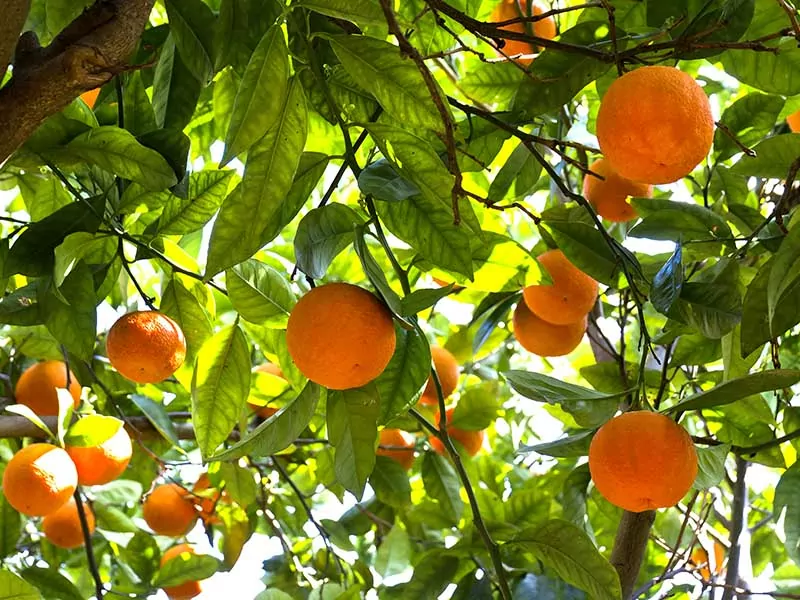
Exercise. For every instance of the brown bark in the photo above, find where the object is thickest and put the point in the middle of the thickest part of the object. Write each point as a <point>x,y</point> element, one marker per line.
<point>629,547</point>
<point>17,427</point>
<point>87,54</point>
<point>14,14</point>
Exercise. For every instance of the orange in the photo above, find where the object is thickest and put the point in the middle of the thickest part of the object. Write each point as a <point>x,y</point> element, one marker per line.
<point>470,440</point>
<point>105,462</point>
<point>655,125</point>
<point>39,479</point>
<point>446,367</point>
<point>545,339</point>
<point>609,196</point>
<point>340,336</point>
<point>36,387</point>
<point>146,346</point>
<point>514,9</point>
<point>187,589</point>
<point>265,412</point>
<point>642,460</point>
<point>63,527</point>
<point>794,121</point>
<point>90,97</point>
<point>397,445</point>
<point>571,295</point>
<point>169,510</point>
<point>700,557</point>
<point>206,499</point>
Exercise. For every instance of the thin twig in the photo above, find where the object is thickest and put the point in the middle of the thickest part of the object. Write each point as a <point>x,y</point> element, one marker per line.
<point>87,541</point>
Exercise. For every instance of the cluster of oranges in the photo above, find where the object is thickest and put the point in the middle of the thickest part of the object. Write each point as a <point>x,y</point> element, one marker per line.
<point>543,27</point>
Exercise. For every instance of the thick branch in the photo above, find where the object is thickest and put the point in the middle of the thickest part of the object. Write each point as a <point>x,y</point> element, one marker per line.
<point>14,14</point>
<point>15,427</point>
<point>87,54</point>
<point>629,546</point>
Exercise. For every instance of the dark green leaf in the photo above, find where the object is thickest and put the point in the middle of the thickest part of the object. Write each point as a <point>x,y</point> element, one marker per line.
<point>389,481</point>
<point>749,119</point>
<point>442,484</point>
<point>668,282</point>
<point>192,25</point>
<point>321,235</point>
<point>711,466</point>
<point>74,322</point>
<point>186,567</point>
<point>175,90</point>
<point>383,182</point>
<point>570,446</point>
<point>401,382</point>
<point>737,389</point>
<point>157,415</point>
<point>52,583</point>
<point>774,156</point>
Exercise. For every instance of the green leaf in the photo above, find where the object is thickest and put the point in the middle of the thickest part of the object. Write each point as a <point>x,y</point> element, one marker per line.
<point>567,550</point>
<point>495,82</point>
<point>768,72</point>
<point>442,484</point>
<point>668,282</point>
<point>402,381</point>
<point>677,221</point>
<point>220,386</point>
<point>321,235</point>
<point>137,110</point>
<point>93,249</point>
<point>394,553</point>
<point>273,594</point>
<point>52,583</point>
<point>433,572</point>
<point>516,177</point>
<point>183,301</point>
<point>361,12</point>
<point>261,94</point>
<point>119,491</point>
<point>10,528</point>
<point>774,157</point>
<point>16,588</point>
<point>239,483</point>
<point>783,281</point>
<point>737,389</point>
<point>207,189</point>
<point>21,307</point>
<point>259,293</point>
<point>118,152</point>
<point>395,82</point>
<point>389,481</point>
<point>92,430</point>
<point>192,25</point>
<point>749,119</point>
<point>374,272</point>
<point>478,406</point>
<point>786,494</point>
<point>712,304</point>
<point>74,322</point>
<point>423,299</point>
<point>352,429</point>
<point>43,194</point>
<point>113,519</point>
<point>186,567</point>
<point>587,249</point>
<point>383,182</point>
<point>711,466</point>
<point>246,217</point>
<point>141,554</point>
<point>570,446</point>
<point>157,415</point>
<point>279,431</point>
<point>175,90</point>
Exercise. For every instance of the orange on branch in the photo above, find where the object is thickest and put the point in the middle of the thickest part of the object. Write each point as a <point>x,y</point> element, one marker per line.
<point>568,299</point>
<point>265,412</point>
<point>206,499</point>
<point>471,441</point>
<point>187,589</point>
<point>545,339</point>
<point>794,121</point>
<point>397,445</point>
<point>447,369</point>
<point>340,336</point>
<point>169,510</point>
<point>105,462</point>
<point>655,125</point>
<point>514,9</point>
<point>63,526</point>
<point>90,97</point>
<point>642,460</point>
<point>700,557</point>
<point>609,196</point>
<point>146,346</point>
<point>39,479</point>
<point>36,387</point>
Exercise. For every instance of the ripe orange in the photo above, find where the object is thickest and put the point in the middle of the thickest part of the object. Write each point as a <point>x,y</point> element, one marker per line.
<point>36,387</point>
<point>642,460</point>
<point>39,479</point>
<point>655,125</point>
<point>265,412</point>
<point>105,462</point>
<point>446,367</point>
<point>514,9</point>
<point>206,499</point>
<point>398,445</point>
<point>63,527</point>
<point>545,339</point>
<point>609,196</point>
<point>90,97</point>
<point>794,121</point>
<point>340,336</point>
<point>569,298</point>
<point>169,510</point>
<point>700,557</point>
<point>188,589</point>
<point>470,440</point>
<point>146,346</point>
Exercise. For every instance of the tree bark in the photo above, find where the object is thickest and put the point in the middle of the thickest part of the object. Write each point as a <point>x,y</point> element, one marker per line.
<point>87,54</point>
<point>14,14</point>
<point>629,547</point>
<point>17,427</point>
<point>738,518</point>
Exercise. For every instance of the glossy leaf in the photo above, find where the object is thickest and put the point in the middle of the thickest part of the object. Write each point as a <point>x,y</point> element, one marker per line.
<point>737,389</point>
<point>259,293</point>
<point>321,235</point>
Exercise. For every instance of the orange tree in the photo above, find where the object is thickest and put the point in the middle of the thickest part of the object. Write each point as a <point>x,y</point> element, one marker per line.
<point>283,207</point>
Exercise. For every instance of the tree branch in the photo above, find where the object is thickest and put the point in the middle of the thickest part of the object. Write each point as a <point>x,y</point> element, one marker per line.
<point>738,519</point>
<point>87,541</point>
<point>629,546</point>
<point>16,427</point>
<point>14,14</point>
<point>87,54</point>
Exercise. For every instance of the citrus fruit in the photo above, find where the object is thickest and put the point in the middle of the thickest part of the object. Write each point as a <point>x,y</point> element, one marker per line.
<point>446,367</point>
<point>265,412</point>
<point>187,589</point>
<point>609,196</point>
<point>169,510</point>
<point>794,121</point>
<point>655,125</point>
<point>514,9</point>
<point>36,387</point>
<point>471,441</point>
<point>397,445</point>
<point>642,460</point>
<point>545,339</point>
<point>700,557</point>
<point>340,336</point>
<point>63,526</point>
<point>206,499</point>
<point>146,346</point>
<point>39,479</point>
<point>569,298</point>
<point>90,97</point>
<point>105,462</point>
